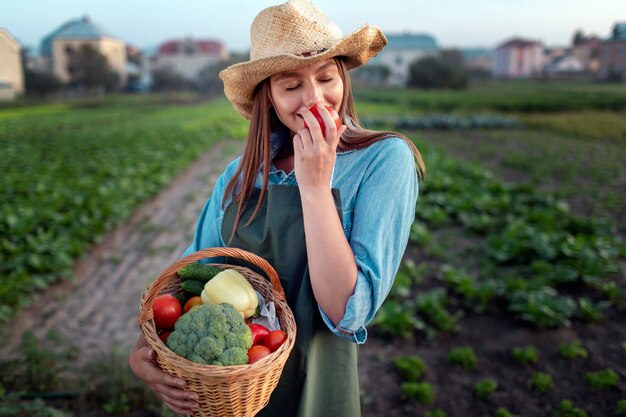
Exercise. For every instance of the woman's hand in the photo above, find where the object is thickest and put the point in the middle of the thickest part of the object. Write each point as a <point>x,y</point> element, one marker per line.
<point>315,151</point>
<point>142,361</point>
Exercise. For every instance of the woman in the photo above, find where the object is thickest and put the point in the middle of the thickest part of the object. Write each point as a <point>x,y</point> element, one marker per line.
<point>330,208</point>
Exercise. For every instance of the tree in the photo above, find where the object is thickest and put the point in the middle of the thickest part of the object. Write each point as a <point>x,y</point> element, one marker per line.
<point>41,84</point>
<point>208,80</point>
<point>371,74</point>
<point>89,69</point>
<point>453,57</point>
<point>436,72</point>
<point>38,83</point>
<point>578,38</point>
<point>166,79</point>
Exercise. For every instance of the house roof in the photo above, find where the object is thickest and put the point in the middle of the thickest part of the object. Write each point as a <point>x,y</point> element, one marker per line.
<point>565,59</point>
<point>202,46</point>
<point>517,43</point>
<point>619,32</point>
<point>12,41</point>
<point>83,28</point>
<point>474,53</point>
<point>592,43</point>
<point>411,41</point>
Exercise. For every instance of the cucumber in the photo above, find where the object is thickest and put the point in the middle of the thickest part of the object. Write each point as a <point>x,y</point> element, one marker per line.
<point>192,286</point>
<point>198,272</point>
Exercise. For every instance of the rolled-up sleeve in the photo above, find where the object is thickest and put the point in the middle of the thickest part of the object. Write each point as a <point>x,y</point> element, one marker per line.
<point>383,213</point>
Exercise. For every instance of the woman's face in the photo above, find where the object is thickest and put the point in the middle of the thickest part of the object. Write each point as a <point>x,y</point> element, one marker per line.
<point>294,91</point>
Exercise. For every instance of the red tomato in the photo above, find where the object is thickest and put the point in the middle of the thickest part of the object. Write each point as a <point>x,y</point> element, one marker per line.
<point>164,335</point>
<point>317,115</point>
<point>258,333</point>
<point>166,309</point>
<point>192,302</point>
<point>257,352</point>
<point>275,339</point>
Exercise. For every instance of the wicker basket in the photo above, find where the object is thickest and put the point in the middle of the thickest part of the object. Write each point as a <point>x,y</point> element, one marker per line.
<point>223,390</point>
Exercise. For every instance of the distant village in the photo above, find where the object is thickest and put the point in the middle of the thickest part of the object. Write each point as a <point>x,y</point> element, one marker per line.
<point>189,62</point>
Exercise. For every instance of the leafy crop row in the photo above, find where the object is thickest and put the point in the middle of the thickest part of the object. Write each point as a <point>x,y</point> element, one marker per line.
<point>414,374</point>
<point>445,122</point>
<point>528,97</point>
<point>531,255</point>
<point>69,175</point>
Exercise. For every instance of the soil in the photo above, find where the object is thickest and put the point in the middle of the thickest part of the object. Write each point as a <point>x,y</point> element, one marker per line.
<point>112,277</point>
<point>493,338</point>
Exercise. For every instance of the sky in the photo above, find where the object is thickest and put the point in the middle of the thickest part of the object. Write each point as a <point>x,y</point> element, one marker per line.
<point>453,23</point>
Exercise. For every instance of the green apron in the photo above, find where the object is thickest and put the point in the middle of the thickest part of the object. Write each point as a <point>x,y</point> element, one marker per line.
<point>320,377</point>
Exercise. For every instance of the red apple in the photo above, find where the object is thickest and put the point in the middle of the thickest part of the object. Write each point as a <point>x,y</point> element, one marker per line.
<point>317,115</point>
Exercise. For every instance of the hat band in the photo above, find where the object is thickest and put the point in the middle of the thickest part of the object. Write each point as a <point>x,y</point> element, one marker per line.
<point>312,53</point>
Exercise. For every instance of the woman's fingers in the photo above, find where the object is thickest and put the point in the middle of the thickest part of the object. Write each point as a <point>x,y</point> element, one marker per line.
<point>142,360</point>
<point>306,139</point>
<point>298,147</point>
<point>149,370</point>
<point>315,130</point>
<point>329,124</point>
<point>312,123</point>
<point>341,131</point>
<point>179,400</point>
<point>167,387</point>
<point>183,403</point>
<point>180,410</point>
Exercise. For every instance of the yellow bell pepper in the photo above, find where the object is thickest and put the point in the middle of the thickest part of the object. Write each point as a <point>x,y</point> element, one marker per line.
<point>231,287</point>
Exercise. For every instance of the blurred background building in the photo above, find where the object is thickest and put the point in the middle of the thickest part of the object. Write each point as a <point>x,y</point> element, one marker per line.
<point>401,51</point>
<point>188,57</point>
<point>11,71</point>
<point>613,55</point>
<point>79,57</point>
<point>518,58</point>
<point>61,47</point>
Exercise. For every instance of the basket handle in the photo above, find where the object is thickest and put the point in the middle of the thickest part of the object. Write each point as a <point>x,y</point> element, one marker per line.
<point>162,280</point>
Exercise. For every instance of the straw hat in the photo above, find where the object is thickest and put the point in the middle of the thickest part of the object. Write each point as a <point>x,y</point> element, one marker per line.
<point>288,36</point>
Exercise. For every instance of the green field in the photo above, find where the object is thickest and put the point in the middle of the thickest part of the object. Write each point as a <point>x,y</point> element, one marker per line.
<point>522,223</point>
<point>74,170</point>
<point>70,172</point>
<point>579,154</point>
<point>517,227</point>
<point>506,96</point>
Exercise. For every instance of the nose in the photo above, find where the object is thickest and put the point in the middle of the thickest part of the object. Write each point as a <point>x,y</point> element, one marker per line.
<point>312,95</point>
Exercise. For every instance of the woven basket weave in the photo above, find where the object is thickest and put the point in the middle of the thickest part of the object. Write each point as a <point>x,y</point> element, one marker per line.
<point>223,391</point>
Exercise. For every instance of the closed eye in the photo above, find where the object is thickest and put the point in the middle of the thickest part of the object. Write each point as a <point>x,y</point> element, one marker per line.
<point>292,88</point>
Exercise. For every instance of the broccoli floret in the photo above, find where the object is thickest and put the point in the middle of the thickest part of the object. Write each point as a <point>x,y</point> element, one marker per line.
<point>212,334</point>
<point>209,347</point>
<point>236,341</point>
<point>232,355</point>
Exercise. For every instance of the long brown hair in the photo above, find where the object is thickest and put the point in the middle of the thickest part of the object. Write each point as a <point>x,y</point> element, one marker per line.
<point>257,151</point>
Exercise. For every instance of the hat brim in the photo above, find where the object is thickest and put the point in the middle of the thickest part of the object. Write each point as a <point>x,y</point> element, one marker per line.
<point>241,79</point>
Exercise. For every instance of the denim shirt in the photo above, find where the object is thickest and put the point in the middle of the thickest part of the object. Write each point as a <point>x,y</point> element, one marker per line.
<point>379,189</point>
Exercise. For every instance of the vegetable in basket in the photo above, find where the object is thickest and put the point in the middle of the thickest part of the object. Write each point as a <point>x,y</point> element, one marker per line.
<point>198,271</point>
<point>212,334</point>
<point>231,287</point>
<point>166,310</point>
<point>192,286</point>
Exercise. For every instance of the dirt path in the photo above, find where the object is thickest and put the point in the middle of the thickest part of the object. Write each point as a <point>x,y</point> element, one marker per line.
<point>97,310</point>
